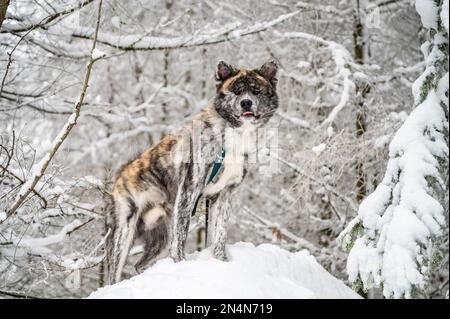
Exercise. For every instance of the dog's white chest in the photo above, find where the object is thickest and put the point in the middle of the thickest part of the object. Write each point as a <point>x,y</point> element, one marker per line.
<point>238,143</point>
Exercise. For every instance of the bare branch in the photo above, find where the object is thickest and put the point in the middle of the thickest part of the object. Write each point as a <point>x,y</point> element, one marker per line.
<point>8,65</point>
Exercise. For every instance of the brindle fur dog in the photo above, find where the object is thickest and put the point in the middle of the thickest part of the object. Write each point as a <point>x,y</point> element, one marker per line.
<point>154,195</point>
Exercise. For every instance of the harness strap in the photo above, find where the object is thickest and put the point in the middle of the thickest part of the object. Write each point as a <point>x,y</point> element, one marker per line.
<point>206,222</point>
<point>214,171</point>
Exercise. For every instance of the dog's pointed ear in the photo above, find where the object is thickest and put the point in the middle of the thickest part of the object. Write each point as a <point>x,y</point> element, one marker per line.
<point>224,71</point>
<point>269,70</point>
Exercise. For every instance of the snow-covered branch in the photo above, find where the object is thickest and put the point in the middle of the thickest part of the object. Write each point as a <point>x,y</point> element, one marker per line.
<point>41,20</point>
<point>342,59</point>
<point>39,169</point>
<point>37,245</point>
<point>144,42</point>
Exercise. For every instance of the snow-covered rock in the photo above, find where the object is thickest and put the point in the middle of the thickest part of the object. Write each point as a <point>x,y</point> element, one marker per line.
<point>265,271</point>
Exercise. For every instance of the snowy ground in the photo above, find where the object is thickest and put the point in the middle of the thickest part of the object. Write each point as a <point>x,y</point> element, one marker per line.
<point>265,271</point>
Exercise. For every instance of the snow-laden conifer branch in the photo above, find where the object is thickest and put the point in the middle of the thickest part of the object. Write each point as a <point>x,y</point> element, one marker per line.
<point>39,169</point>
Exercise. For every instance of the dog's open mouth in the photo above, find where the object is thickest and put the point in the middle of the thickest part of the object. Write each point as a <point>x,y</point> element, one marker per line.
<point>248,114</point>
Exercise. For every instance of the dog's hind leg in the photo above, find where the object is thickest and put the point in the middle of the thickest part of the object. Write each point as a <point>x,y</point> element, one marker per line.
<point>126,217</point>
<point>153,230</point>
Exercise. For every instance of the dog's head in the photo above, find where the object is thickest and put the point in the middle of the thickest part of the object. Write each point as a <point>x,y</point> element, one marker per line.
<point>246,95</point>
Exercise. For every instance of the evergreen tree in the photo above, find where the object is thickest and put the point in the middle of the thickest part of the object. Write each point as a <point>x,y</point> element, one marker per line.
<point>394,240</point>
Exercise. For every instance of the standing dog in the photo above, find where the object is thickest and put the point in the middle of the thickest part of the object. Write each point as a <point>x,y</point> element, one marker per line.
<point>154,195</point>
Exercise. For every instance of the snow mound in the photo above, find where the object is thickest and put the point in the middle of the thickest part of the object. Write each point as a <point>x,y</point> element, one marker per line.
<point>266,271</point>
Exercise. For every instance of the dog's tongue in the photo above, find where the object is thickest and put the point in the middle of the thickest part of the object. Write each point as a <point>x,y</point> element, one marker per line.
<point>248,113</point>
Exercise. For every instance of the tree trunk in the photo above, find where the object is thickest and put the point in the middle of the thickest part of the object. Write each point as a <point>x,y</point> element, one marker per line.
<point>361,92</point>
<point>358,44</point>
<point>3,6</point>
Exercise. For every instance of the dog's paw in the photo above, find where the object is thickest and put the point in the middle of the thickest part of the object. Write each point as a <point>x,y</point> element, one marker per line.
<point>178,258</point>
<point>138,270</point>
<point>221,255</point>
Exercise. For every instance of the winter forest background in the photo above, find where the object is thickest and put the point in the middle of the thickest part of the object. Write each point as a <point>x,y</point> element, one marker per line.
<point>352,117</point>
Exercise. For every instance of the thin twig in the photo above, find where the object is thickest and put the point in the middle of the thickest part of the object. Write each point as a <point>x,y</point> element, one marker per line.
<point>8,65</point>
<point>5,170</point>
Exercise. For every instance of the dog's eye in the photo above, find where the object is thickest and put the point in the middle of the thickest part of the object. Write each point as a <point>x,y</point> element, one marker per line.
<point>256,91</point>
<point>237,91</point>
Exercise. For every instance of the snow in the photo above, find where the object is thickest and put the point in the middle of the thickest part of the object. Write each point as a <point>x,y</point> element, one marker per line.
<point>340,56</point>
<point>444,14</point>
<point>52,239</point>
<point>319,149</point>
<point>39,169</point>
<point>265,271</point>
<point>428,13</point>
<point>330,132</point>
<point>303,64</point>
<point>94,181</point>
<point>115,21</point>
<point>97,54</point>
<point>2,216</point>
<point>382,141</point>
<point>364,260</point>
<point>39,246</point>
<point>406,222</point>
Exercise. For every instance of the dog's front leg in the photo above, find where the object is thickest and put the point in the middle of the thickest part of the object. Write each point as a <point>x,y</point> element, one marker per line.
<point>183,207</point>
<point>220,207</point>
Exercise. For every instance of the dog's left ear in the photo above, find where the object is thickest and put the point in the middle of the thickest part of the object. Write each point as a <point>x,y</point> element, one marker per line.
<point>269,71</point>
<point>224,71</point>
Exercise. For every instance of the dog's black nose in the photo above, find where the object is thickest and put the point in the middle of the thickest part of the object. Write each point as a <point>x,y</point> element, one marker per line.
<point>246,104</point>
